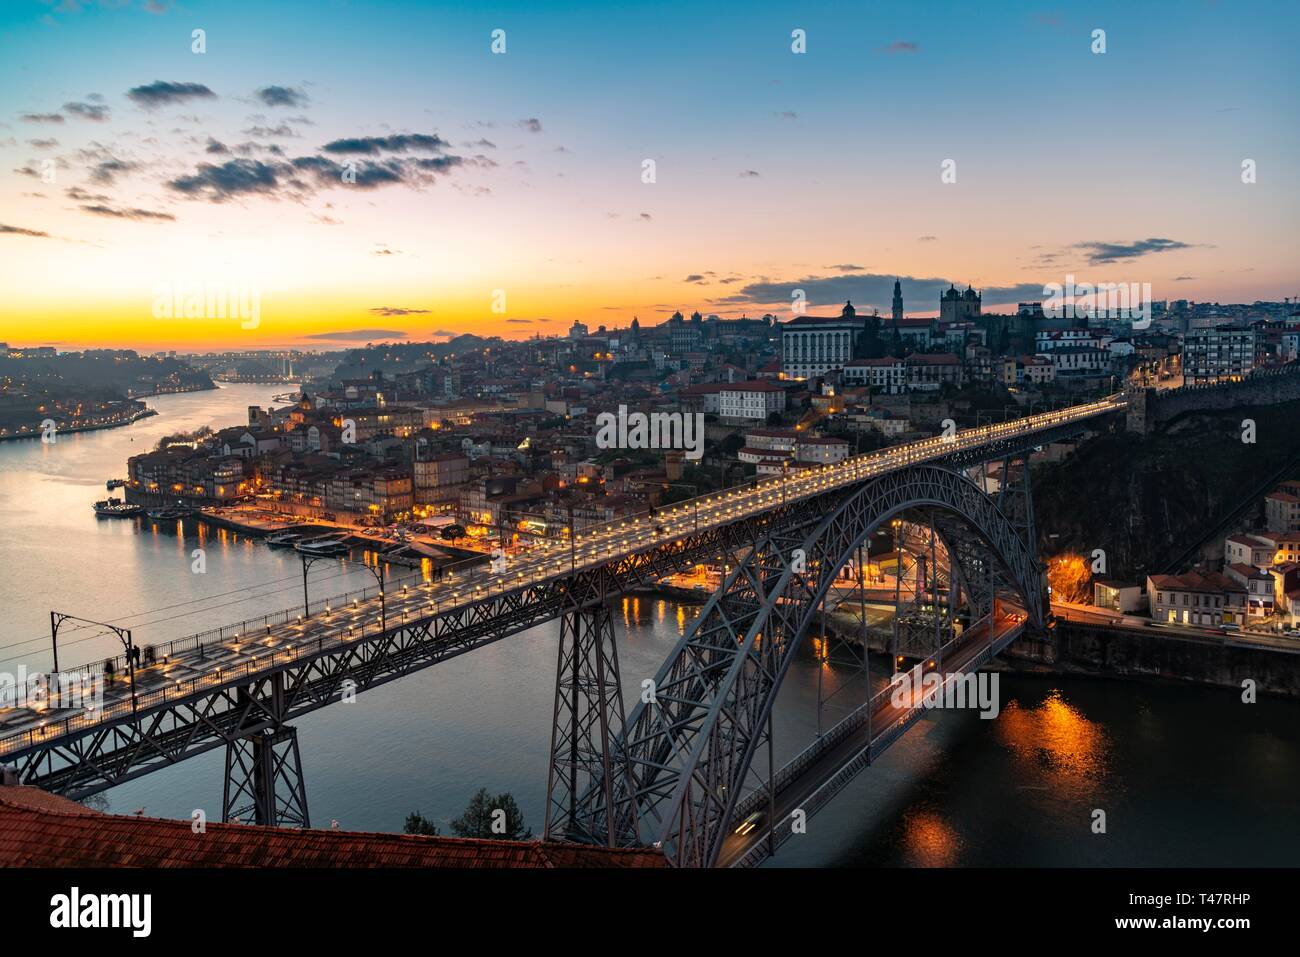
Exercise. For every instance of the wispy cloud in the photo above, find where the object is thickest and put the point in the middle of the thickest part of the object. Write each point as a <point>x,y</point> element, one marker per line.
<point>139,215</point>
<point>164,93</point>
<point>19,231</point>
<point>281,96</point>
<point>1104,252</point>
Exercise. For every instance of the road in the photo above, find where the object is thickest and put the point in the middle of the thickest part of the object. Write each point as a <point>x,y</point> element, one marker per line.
<point>854,750</point>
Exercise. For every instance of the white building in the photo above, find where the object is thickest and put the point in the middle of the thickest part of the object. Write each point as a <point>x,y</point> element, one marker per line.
<point>812,346</point>
<point>750,401</point>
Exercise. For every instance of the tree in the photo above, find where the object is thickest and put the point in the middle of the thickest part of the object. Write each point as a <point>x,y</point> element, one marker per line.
<point>497,818</point>
<point>417,823</point>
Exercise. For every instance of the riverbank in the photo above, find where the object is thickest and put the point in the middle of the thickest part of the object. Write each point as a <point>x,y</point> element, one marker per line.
<point>70,429</point>
<point>1095,651</point>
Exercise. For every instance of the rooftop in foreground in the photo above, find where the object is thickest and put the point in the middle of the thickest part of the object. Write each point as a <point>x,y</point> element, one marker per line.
<point>39,829</point>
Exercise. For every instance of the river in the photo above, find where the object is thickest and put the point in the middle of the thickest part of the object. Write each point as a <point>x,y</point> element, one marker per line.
<point>1185,775</point>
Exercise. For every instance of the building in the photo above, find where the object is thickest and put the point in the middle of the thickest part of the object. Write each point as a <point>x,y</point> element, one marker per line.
<point>1116,595</point>
<point>1259,589</point>
<point>750,401</point>
<point>1282,511</point>
<point>1243,549</point>
<point>957,306</point>
<point>1196,598</point>
<point>1078,360</point>
<point>813,346</point>
<point>821,450</point>
<point>437,477</point>
<point>886,375</point>
<point>928,372</point>
<point>1218,354</point>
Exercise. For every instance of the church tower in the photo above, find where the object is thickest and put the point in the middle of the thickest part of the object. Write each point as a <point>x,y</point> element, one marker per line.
<point>898,302</point>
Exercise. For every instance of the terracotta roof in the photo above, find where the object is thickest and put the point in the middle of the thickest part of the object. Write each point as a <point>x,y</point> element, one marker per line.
<point>38,829</point>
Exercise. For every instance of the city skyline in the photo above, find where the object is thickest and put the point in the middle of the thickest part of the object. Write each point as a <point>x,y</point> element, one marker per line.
<point>521,173</point>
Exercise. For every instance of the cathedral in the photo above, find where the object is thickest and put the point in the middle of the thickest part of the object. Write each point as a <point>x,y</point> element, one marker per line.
<point>957,306</point>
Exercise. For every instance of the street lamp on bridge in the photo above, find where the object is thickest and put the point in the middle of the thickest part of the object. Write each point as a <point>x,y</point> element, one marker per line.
<point>377,570</point>
<point>57,618</point>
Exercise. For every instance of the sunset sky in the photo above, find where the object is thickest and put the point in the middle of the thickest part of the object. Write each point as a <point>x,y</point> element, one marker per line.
<point>134,166</point>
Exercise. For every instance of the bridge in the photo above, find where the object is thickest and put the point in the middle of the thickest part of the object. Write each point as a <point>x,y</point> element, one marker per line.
<point>677,770</point>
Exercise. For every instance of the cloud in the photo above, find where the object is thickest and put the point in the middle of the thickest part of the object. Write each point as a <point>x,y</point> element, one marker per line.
<point>396,311</point>
<point>401,143</point>
<point>163,93</point>
<point>95,112</point>
<point>694,277</point>
<point>532,125</point>
<point>901,46</point>
<point>215,146</point>
<point>847,267</point>
<point>43,144</point>
<point>352,335</point>
<point>521,322</point>
<point>138,215</point>
<point>444,332</point>
<point>748,174</point>
<point>927,239</point>
<point>1100,252</point>
<point>281,96</point>
<point>237,177</point>
<point>81,196</point>
<point>19,231</point>
<point>871,289</point>
<point>304,175</point>
<point>1183,278</point>
<point>267,132</point>
<point>105,172</point>
<point>645,217</point>
<point>42,118</point>
<point>786,115</point>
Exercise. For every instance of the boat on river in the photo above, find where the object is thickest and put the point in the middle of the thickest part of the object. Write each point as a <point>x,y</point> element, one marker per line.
<point>116,508</point>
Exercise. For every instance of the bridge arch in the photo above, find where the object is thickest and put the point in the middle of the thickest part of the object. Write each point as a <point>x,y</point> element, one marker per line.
<point>689,747</point>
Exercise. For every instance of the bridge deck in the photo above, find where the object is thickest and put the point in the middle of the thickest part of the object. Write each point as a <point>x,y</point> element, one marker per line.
<point>822,770</point>
<point>189,669</point>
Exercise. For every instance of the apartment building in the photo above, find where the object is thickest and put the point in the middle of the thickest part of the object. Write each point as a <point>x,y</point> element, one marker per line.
<point>1218,354</point>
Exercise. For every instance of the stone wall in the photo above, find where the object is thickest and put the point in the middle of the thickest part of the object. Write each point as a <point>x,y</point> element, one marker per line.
<point>1149,408</point>
<point>1160,654</point>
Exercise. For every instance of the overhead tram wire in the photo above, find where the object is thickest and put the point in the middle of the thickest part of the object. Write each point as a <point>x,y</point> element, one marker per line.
<point>124,620</point>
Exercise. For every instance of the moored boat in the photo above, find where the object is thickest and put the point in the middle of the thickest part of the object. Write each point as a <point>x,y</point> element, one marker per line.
<point>116,508</point>
<point>323,546</point>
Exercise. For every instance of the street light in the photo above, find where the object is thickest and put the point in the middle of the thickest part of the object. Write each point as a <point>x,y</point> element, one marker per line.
<point>377,571</point>
<point>695,498</point>
<point>123,635</point>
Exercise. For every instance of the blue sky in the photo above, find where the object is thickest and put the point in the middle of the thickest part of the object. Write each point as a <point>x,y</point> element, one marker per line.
<point>771,166</point>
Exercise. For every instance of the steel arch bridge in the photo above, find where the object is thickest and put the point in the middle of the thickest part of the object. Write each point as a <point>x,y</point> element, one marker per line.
<point>687,750</point>
<point>672,772</point>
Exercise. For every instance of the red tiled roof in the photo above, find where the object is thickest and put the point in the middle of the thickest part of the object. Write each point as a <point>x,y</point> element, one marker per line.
<point>43,830</point>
